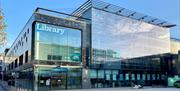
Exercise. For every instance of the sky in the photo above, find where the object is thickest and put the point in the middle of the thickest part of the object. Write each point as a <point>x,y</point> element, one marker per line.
<point>17,12</point>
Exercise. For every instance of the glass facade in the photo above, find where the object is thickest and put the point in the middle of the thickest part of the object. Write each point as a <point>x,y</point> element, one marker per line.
<point>111,51</point>
<point>127,51</point>
<point>57,43</point>
<point>117,37</point>
<point>57,78</point>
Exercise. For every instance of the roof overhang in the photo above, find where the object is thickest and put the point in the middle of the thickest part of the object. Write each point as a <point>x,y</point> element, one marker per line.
<point>98,4</point>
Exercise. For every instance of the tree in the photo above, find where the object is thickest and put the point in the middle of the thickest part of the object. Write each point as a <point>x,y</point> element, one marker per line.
<point>2,29</point>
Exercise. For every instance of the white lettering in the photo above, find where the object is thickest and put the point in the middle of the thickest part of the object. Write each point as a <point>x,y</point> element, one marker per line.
<point>49,28</point>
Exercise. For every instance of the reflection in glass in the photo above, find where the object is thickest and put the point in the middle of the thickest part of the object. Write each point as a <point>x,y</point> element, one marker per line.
<point>148,77</point>
<point>108,74</point>
<point>62,45</point>
<point>153,77</point>
<point>162,76</point>
<point>138,77</point>
<point>121,77</point>
<point>127,76</point>
<point>115,73</point>
<point>93,74</point>
<point>132,77</point>
<point>100,73</point>
<point>117,38</point>
<point>58,78</point>
<point>143,77</point>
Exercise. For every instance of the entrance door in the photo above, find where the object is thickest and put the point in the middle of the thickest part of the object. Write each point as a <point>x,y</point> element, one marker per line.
<point>58,81</point>
<point>52,79</point>
<point>58,78</point>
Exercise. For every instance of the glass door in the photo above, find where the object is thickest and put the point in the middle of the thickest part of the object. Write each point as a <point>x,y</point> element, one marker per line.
<point>51,79</point>
<point>44,79</point>
<point>59,81</point>
<point>58,78</point>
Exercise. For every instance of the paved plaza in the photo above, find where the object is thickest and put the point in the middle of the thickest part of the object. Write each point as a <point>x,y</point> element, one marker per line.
<point>128,89</point>
<point>1,89</point>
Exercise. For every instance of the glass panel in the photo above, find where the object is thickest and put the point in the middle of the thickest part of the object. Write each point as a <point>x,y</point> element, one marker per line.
<point>153,76</point>
<point>162,76</point>
<point>121,77</point>
<point>157,76</point>
<point>116,38</point>
<point>51,78</point>
<point>127,76</point>
<point>57,43</point>
<point>108,74</point>
<point>115,73</point>
<point>148,77</point>
<point>74,78</point>
<point>132,76</point>
<point>144,77</point>
<point>108,77</point>
<point>100,73</point>
<point>58,78</point>
<point>93,74</point>
<point>114,77</point>
<point>138,77</point>
<point>107,71</point>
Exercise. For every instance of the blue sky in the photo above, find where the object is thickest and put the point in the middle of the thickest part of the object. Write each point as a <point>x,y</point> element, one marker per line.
<point>17,12</point>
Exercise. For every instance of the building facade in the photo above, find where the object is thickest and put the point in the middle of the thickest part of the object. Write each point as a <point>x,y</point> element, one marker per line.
<point>175,45</point>
<point>98,45</point>
<point>2,65</point>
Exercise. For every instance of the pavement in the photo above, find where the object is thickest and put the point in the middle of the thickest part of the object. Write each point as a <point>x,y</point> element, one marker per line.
<point>2,89</point>
<point>4,86</point>
<point>128,89</point>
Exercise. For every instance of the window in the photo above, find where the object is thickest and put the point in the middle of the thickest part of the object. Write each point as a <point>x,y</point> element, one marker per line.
<point>26,39</point>
<point>0,68</point>
<point>25,35</point>
<point>28,31</point>
<point>0,61</point>
<point>26,56</point>
<point>20,60</point>
<point>121,77</point>
<point>138,77</point>
<point>93,74</point>
<point>144,77</point>
<point>104,33</point>
<point>153,77</point>
<point>115,73</point>
<point>148,77</point>
<point>127,76</point>
<point>19,42</point>
<point>16,63</point>
<point>108,74</point>
<point>108,77</point>
<point>22,41</point>
<point>16,46</point>
<point>9,67</point>
<point>132,76</point>
<point>162,77</point>
<point>63,44</point>
<point>12,65</point>
<point>157,76</point>
<point>54,57</point>
<point>100,73</point>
